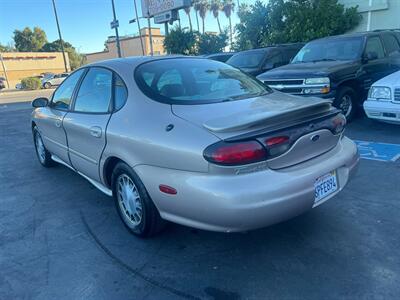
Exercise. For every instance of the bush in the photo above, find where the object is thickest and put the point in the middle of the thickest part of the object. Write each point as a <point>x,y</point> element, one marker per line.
<point>31,83</point>
<point>212,43</point>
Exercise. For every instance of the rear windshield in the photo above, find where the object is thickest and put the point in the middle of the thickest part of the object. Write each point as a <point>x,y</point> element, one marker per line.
<point>195,81</point>
<point>330,49</point>
<point>251,59</point>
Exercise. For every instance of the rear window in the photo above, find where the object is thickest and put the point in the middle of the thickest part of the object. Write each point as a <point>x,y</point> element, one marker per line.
<point>195,81</point>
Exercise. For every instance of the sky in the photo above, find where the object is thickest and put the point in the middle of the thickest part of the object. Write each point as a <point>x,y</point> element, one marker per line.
<point>84,23</point>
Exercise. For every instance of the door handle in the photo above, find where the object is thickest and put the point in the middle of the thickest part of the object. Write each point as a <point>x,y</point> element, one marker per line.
<point>58,123</point>
<point>95,131</point>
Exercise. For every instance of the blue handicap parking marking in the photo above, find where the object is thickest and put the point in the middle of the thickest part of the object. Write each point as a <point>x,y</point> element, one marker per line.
<point>378,151</point>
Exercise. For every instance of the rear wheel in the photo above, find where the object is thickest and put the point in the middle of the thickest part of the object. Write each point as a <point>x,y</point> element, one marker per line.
<point>47,85</point>
<point>346,101</point>
<point>133,203</point>
<point>43,155</point>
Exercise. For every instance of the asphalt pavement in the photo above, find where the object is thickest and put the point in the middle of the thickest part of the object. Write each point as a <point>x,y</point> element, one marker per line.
<point>60,238</point>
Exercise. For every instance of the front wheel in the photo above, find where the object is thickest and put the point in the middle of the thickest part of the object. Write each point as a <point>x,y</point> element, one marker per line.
<point>43,155</point>
<point>133,203</point>
<point>346,101</point>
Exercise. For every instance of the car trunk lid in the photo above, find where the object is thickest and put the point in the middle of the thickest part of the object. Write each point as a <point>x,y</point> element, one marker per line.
<point>264,117</point>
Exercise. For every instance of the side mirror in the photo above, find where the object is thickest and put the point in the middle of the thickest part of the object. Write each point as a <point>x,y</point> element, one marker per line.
<point>370,56</point>
<point>40,102</point>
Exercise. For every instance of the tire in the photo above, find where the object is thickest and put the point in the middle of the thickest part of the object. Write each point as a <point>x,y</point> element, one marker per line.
<point>346,101</point>
<point>43,155</point>
<point>140,216</point>
<point>47,85</point>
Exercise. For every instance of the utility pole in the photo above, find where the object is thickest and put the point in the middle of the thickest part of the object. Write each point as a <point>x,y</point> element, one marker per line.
<point>150,35</point>
<point>115,24</point>
<point>59,36</point>
<point>138,25</point>
<point>5,70</point>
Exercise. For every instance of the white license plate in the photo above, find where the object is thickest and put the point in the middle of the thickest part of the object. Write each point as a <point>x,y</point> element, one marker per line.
<point>324,186</point>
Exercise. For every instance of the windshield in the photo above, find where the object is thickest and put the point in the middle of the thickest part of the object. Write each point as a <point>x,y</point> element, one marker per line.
<point>333,49</point>
<point>195,81</point>
<point>250,59</point>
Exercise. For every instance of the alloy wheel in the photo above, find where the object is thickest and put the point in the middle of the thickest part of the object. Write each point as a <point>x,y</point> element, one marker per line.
<point>346,105</point>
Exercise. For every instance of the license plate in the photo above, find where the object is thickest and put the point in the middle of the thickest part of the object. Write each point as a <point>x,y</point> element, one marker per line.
<point>324,186</point>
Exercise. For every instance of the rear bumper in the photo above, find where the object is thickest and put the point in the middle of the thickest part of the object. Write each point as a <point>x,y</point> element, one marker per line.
<point>247,201</point>
<point>382,110</point>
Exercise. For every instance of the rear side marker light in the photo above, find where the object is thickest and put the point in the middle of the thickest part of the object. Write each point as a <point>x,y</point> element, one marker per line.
<point>167,189</point>
<point>231,154</point>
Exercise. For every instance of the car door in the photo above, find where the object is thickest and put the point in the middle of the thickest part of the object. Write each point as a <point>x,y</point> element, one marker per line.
<point>49,119</point>
<point>376,68</point>
<point>86,123</point>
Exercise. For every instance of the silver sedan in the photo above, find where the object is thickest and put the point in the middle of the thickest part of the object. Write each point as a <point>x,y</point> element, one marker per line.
<point>195,142</point>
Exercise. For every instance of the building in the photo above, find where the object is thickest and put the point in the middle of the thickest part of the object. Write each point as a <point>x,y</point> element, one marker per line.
<point>377,14</point>
<point>130,46</point>
<point>20,65</point>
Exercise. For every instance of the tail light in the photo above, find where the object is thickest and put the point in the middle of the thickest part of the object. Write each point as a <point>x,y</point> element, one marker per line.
<point>276,145</point>
<point>339,123</point>
<point>239,153</point>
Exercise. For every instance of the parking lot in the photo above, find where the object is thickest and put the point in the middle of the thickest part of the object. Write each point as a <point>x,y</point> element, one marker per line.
<point>61,238</point>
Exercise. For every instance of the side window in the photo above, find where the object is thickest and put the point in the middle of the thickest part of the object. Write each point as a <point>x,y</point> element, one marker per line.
<point>391,44</point>
<point>290,53</point>
<point>62,96</point>
<point>374,44</point>
<point>120,92</point>
<point>94,94</point>
<point>275,59</point>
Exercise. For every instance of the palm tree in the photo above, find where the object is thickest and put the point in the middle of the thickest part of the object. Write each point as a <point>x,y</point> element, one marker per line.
<point>228,7</point>
<point>215,7</point>
<point>187,11</point>
<point>203,9</point>
<point>196,6</point>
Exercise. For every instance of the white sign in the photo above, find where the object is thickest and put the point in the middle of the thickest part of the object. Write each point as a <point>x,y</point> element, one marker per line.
<point>166,17</point>
<point>150,8</point>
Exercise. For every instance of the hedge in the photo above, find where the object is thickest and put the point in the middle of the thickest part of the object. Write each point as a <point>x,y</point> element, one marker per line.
<point>31,83</point>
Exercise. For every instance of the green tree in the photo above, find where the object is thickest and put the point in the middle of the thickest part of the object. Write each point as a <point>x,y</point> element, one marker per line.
<point>282,21</point>
<point>228,7</point>
<point>75,59</point>
<point>215,7</point>
<point>203,9</point>
<point>211,43</point>
<point>28,40</point>
<point>187,11</point>
<point>180,41</point>
<point>196,6</point>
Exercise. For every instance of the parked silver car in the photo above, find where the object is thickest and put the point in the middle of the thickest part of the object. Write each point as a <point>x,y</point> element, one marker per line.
<point>193,141</point>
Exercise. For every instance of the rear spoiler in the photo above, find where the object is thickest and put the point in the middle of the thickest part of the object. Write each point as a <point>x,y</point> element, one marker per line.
<point>267,118</point>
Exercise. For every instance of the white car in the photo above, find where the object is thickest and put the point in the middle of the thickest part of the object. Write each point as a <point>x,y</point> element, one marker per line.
<point>54,80</point>
<point>383,101</point>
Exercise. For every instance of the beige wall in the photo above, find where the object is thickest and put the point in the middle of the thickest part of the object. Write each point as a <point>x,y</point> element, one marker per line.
<point>130,46</point>
<point>25,64</point>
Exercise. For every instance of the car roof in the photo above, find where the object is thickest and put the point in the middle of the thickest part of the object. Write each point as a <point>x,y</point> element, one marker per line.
<point>356,34</point>
<point>133,61</point>
<point>292,45</point>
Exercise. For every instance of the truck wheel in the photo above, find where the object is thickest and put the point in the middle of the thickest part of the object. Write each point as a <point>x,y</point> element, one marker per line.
<point>47,85</point>
<point>133,203</point>
<point>346,101</point>
<point>43,155</point>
